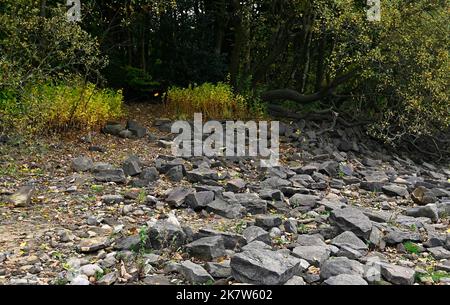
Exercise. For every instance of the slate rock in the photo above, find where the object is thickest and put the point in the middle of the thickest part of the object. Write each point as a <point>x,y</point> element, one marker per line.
<point>304,200</point>
<point>113,129</point>
<point>422,196</point>
<point>137,130</point>
<point>219,270</point>
<point>199,200</point>
<point>176,197</point>
<point>82,164</point>
<point>439,253</point>
<point>110,175</point>
<point>254,233</point>
<point>340,265</point>
<point>112,199</point>
<point>351,219</point>
<point>311,240</point>
<point>349,239</point>
<point>268,221</point>
<point>235,185</point>
<point>226,209</point>
<point>175,174</point>
<point>429,211</point>
<point>395,190</point>
<point>397,275</point>
<point>264,267</point>
<point>207,248</point>
<point>315,255</point>
<point>194,273</point>
<point>346,279</point>
<point>252,203</point>
<point>131,167</point>
<point>164,234</point>
<point>231,240</point>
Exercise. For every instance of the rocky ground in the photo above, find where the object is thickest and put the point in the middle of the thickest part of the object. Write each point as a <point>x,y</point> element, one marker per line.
<point>116,208</point>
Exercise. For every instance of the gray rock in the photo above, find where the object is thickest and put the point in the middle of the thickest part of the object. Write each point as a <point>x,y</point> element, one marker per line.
<point>352,219</point>
<point>256,244</point>
<point>329,168</point>
<point>251,202</point>
<point>164,234</point>
<point>126,134</point>
<point>82,164</point>
<point>176,197</point>
<point>310,240</point>
<point>253,233</point>
<point>235,185</point>
<point>22,198</point>
<point>264,267</point>
<point>429,211</point>
<point>268,194</point>
<point>128,243</point>
<point>194,273</point>
<point>349,239</point>
<point>202,175</point>
<point>296,281</point>
<point>207,248</point>
<point>315,255</point>
<point>304,200</point>
<point>112,128</point>
<point>341,265</point>
<point>90,245</point>
<point>107,279</point>
<point>274,183</point>
<point>345,279</point>
<point>268,221</point>
<point>112,199</point>
<point>439,253</point>
<point>225,209</point>
<point>397,236</point>
<point>131,166</point>
<point>99,166</point>
<point>137,130</point>
<point>175,174</point>
<point>110,175</point>
<point>231,240</point>
<point>397,274</point>
<point>219,270</point>
<point>150,174</point>
<point>395,190</point>
<point>199,200</point>
<point>290,226</point>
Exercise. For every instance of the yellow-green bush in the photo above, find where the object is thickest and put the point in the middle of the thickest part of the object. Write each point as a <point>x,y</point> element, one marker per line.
<point>215,101</point>
<point>47,108</point>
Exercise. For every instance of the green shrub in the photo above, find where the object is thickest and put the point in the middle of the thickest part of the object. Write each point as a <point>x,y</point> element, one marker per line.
<point>48,107</point>
<point>215,101</point>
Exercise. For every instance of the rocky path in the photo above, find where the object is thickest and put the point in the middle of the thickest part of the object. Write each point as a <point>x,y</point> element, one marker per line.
<point>118,209</point>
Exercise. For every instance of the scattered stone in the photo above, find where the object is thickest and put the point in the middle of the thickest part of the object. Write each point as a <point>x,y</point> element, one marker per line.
<point>199,200</point>
<point>225,209</point>
<point>304,200</point>
<point>110,175</point>
<point>251,202</point>
<point>219,270</point>
<point>175,174</point>
<point>315,255</point>
<point>310,240</point>
<point>264,267</point>
<point>131,167</point>
<point>108,279</point>
<point>439,253</point>
<point>231,240</point>
<point>341,265</point>
<point>352,219</point>
<point>345,279</point>
<point>268,221</point>
<point>207,248</point>
<point>429,211</point>
<point>290,226</point>
<point>165,234</point>
<point>22,198</point>
<point>296,281</point>
<point>112,128</point>
<point>397,236</point>
<point>137,130</point>
<point>397,274</point>
<point>82,164</point>
<point>93,244</point>
<point>349,239</point>
<point>235,185</point>
<point>194,273</point>
<point>395,190</point>
<point>254,233</point>
<point>176,197</point>
<point>422,196</point>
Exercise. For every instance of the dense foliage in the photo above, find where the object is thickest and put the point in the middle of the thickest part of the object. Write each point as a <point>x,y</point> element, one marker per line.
<point>393,73</point>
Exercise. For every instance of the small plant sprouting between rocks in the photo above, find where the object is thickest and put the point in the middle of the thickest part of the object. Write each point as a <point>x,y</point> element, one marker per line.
<point>411,247</point>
